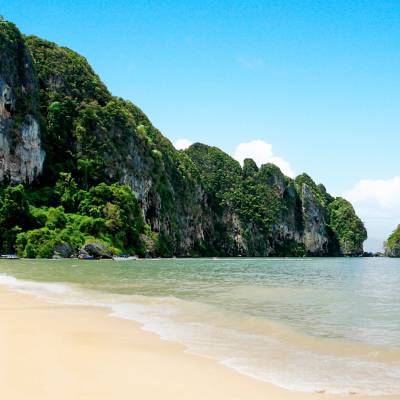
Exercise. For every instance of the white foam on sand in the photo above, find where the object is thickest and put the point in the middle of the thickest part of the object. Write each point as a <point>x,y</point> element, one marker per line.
<point>38,288</point>
<point>257,355</point>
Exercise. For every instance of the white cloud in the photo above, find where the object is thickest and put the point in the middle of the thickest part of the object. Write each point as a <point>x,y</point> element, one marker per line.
<point>261,152</point>
<point>377,203</point>
<point>181,144</point>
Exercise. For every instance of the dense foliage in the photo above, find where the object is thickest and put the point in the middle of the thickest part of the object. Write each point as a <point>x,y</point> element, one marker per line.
<point>111,177</point>
<point>108,214</point>
<point>268,202</point>
<point>347,227</point>
<point>67,86</point>
<point>100,138</point>
<point>14,57</point>
<point>249,192</point>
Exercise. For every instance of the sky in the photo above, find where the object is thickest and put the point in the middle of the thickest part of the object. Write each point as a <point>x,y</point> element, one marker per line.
<point>313,86</point>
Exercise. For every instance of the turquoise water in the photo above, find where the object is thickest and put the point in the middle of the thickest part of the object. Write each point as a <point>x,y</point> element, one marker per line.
<point>304,324</point>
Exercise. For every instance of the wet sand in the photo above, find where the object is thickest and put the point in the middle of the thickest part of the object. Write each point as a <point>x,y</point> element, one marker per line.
<point>54,351</point>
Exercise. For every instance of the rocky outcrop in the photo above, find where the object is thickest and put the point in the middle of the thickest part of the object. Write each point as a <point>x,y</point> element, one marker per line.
<point>21,153</point>
<point>57,116</point>
<point>315,235</point>
<point>346,227</point>
<point>63,250</point>
<point>392,251</point>
<point>7,101</point>
<point>96,250</point>
<point>21,158</point>
<point>392,244</point>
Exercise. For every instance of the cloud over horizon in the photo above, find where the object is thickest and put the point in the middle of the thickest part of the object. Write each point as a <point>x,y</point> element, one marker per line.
<point>261,152</point>
<point>182,144</point>
<point>377,203</point>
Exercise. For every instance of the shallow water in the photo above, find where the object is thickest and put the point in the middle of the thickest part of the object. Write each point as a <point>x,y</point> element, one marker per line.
<point>317,324</point>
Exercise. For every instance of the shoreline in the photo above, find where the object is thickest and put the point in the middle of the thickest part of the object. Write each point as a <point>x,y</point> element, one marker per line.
<point>195,258</point>
<point>85,353</point>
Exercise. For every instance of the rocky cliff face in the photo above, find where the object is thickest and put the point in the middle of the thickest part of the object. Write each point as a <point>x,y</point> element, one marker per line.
<point>392,245</point>
<point>315,235</point>
<point>57,116</point>
<point>21,160</point>
<point>265,213</point>
<point>21,153</point>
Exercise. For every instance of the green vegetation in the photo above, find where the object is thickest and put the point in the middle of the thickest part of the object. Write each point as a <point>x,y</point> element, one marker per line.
<point>392,245</point>
<point>108,214</point>
<point>14,215</point>
<point>112,178</point>
<point>347,227</point>
<point>249,192</point>
<point>14,56</point>
<point>318,191</point>
<point>68,85</point>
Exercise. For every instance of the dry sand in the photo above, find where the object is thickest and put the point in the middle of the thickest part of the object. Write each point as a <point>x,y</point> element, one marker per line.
<point>57,352</point>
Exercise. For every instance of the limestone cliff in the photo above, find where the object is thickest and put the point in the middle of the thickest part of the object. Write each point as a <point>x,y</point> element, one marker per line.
<point>392,244</point>
<point>21,153</point>
<point>57,117</point>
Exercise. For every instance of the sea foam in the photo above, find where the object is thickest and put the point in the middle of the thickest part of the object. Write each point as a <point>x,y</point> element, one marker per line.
<point>263,349</point>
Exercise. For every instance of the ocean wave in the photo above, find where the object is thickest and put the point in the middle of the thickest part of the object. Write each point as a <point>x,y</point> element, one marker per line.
<point>265,350</point>
<point>39,288</point>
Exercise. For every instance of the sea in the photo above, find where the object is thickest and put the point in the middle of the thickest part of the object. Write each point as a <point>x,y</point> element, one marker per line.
<point>308,324</point>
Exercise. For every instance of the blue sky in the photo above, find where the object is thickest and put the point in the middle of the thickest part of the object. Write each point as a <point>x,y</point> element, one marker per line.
<point>317,80</point>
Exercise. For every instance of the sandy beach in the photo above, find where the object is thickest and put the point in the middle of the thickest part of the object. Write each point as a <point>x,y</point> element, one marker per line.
<point>50,351</point>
